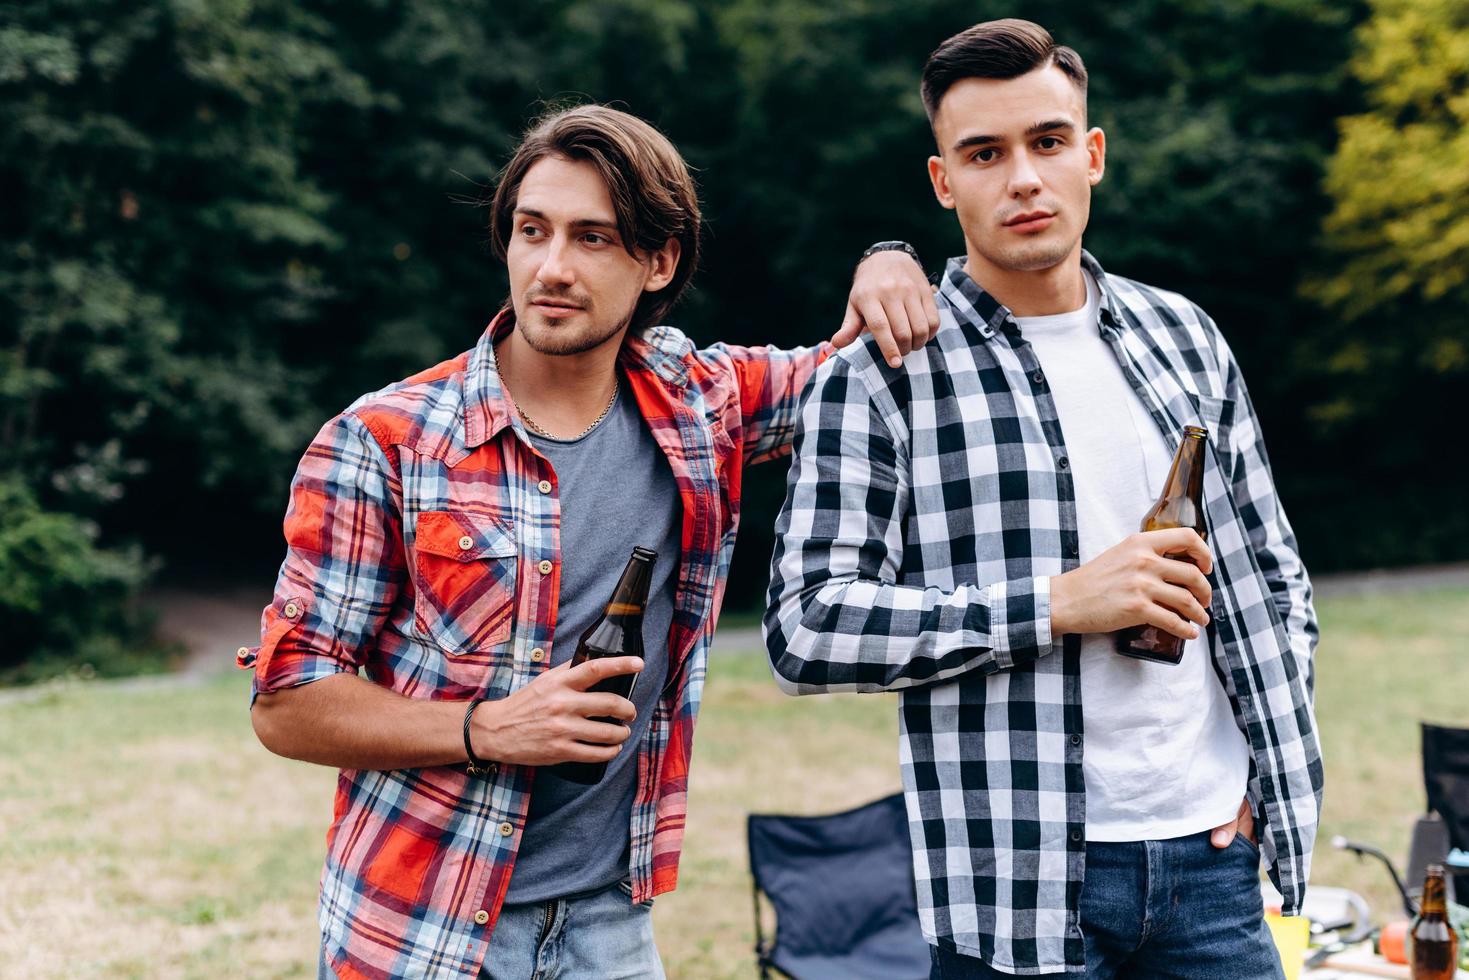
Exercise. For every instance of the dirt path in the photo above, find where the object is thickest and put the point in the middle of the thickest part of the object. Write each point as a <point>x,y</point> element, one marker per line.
<point>211,625</point>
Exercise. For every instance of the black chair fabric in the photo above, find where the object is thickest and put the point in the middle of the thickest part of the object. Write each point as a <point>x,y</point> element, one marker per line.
<point>1429,844</point>
<point>842,887</point>
<point>1446,778</point>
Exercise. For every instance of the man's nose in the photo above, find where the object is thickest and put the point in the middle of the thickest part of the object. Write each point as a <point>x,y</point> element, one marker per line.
<point>556,265</point>
<point>1025,181</point>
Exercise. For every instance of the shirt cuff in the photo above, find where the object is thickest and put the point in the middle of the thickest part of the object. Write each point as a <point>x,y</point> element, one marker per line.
<point>303,670</point>
<point>1020,620</point>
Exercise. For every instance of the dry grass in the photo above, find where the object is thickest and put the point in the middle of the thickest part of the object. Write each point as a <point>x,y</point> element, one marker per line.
<point>144,833</point>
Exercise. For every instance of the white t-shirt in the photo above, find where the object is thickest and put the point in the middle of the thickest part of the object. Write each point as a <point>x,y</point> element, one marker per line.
<point>1163,756</point>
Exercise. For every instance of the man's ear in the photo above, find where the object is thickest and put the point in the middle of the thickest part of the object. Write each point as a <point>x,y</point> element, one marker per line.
<point>663,265</point>
<point>1096,150</point>
<point>938,175</point>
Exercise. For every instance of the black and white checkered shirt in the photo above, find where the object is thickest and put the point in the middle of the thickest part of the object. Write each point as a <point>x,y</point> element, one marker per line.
<point>927,508</point>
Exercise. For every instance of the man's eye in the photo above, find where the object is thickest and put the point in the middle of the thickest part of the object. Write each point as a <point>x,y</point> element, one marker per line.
<point>1048,143</point>
<point>529,231</point>
<point>987,155</point>
<point>592,238</point>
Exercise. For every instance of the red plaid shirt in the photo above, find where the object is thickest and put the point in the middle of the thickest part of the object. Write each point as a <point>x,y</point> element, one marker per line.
<point>422,548</point>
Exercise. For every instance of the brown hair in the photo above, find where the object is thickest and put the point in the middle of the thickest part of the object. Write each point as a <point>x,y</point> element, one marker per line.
<point>652,193</point>
<point>996,49</point>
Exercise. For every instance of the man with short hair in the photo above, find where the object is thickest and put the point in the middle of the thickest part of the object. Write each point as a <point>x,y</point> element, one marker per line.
<point>962,529</point>
<point>454,534</point>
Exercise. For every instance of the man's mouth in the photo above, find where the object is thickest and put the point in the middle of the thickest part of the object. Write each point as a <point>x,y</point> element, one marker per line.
<point>1030,221</point>
<point>555,307</point>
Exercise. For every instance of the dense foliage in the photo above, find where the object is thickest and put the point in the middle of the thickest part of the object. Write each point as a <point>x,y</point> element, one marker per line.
<point>224,219</point>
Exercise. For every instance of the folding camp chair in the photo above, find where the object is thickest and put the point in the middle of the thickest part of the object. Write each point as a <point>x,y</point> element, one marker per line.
<point>1440,836</point>
<point>1446,779</point>
<point>842,889</point>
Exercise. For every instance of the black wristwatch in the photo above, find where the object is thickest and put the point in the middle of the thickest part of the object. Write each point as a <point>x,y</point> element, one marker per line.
<point>892,247</point>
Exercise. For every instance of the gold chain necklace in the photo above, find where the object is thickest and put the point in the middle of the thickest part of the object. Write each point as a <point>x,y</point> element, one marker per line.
<point>540,431</point>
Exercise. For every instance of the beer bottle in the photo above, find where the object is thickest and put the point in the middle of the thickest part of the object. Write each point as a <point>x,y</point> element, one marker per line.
<point>618,632</point>
<point>1433,946</point>
<point>1181,504</point>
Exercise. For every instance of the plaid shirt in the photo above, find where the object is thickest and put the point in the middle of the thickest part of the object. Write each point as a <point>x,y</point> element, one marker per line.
<point>928,506</point>
<point>423,547</point>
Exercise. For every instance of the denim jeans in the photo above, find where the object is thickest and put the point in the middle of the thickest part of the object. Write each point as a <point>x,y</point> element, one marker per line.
<point>1178,908</point>
<point>602,936</point>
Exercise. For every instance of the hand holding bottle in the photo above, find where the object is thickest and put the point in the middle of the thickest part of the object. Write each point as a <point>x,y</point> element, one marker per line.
<point>1135,582</point>
<point>556,718</point>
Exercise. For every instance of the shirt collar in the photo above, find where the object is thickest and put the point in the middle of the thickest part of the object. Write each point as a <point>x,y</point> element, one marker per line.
<point>487,410</point>
<point>975,307</point>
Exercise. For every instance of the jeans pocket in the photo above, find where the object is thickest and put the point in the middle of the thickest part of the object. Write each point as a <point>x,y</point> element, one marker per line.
<point>1247,844</point>
<point>626,886</point>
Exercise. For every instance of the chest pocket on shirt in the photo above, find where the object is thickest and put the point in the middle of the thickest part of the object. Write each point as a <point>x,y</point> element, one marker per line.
<point>1217,415</point>
<point>465,570</point>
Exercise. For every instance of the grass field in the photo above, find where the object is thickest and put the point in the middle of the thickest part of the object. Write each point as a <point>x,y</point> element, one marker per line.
<point>144,832</point>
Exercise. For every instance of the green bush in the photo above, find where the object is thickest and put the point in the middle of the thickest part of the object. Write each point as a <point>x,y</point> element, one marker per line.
<point>66,601</point>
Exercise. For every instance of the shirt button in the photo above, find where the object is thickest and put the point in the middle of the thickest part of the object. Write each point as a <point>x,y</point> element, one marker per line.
<point>544,486</point>
<point>292,610</point>
<point>466,542</point>
<point>537,655</point>
<point>481,917</point>
<point>1076,835</point>
<point>545,566</point>
<point>1064,463</point>
<point>506,830</point>
<point>1038,378</point>
<point>1076,740</point>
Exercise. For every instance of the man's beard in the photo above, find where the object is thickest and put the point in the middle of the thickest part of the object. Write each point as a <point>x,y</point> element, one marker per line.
<point>560,341</point>
<point>1021,255</point>
<point>1030,256</point>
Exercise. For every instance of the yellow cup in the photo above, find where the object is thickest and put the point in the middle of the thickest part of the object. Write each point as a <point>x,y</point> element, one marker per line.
<point>1292,937</point>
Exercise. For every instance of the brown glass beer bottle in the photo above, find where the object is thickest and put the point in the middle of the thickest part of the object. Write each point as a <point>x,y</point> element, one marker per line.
<point>1433,946</point>
<point>618,632</point>
<point>1181,504</point>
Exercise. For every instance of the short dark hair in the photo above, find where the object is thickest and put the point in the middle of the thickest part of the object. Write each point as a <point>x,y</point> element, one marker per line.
<point>653,194</point>
<point>1005,48</point>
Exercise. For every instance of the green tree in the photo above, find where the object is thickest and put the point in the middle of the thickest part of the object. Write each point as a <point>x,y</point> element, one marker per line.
<point>1400,176</point>
<point>1393,363</point>
<point>225,219</point>
<point>161,243</point>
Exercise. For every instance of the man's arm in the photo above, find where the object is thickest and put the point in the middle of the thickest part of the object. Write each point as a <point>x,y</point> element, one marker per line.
<point>351,723</point>
<point>889,298</point>
<point>1270,534</point>
<point>836,620</point>
<point>343,571</point>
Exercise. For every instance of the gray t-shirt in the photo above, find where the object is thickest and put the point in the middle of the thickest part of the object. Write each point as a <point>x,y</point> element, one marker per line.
<point>616,491</point>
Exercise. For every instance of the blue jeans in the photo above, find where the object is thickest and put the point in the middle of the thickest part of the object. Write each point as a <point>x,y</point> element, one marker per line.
<point>1178,908</point>
<point>602,936</point>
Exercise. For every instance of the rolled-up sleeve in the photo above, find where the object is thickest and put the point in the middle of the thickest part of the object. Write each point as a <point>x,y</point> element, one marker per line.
<point>344,562</point>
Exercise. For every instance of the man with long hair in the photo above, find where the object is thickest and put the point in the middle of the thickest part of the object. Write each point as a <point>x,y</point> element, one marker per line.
<point>454,534</point>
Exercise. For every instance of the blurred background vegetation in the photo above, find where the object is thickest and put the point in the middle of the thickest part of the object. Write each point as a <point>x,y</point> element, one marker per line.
<point>222,220</point>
